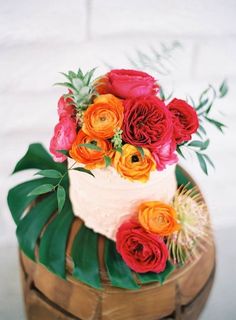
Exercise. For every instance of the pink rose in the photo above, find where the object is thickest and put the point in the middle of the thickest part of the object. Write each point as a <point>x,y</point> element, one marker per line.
<point>165,155</point>
<point>141,250</point>
<point>65,108</point>
<point>64,136</point>
<point>127,84</point>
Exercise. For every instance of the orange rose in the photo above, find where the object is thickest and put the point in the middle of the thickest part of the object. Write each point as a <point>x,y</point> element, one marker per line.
<point>102,118</point>
<point>158,217</point>
<point>132,165</point>
<point>92,158</point>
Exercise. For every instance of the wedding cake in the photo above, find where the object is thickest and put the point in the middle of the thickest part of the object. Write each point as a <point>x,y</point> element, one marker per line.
<point>112,212</point>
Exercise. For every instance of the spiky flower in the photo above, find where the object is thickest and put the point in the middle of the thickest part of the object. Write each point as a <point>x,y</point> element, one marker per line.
<point>81,90</point>
<point>187,243</point>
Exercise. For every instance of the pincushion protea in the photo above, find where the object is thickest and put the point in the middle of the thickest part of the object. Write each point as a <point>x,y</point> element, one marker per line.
<point>185,244</point>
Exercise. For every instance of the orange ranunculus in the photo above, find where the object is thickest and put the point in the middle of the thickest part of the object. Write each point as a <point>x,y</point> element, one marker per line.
<point>131,165</point>
<point>103,117</point>
<point>92,158</point>
<point>158,217</point>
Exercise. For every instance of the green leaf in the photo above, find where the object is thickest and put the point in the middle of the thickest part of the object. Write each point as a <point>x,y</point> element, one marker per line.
<point>52,250</point>
<point>161,92</point>
<point>209,160</point>
<point>201,128</point>
<point>202,104</point>
<point>179,151</point>
<point>45,188</point>
<point>205,144</point>
<point>51,173</point>
<point>107,161</point>
<point>61,197</point>
<point>152,276</point>
<point>223,89</point>
<point>196,143</point>
<point>85,257</point>
<point>90,146</point>
<point>202,162</point>
<point>81,169</point>
<point>30,227</point>
<point>37,157</point>
<point>199,144</point>
<point>65,84</point>
<point>17,197</point>
<point>119,273</point>
<point>119,149</point>
<point>141,151</point>
<point>216,123</point>
<point>182,178</point>
<point>65,152</point>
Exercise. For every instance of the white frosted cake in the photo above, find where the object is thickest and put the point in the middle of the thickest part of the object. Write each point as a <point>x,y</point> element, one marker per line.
<point>105,201</point>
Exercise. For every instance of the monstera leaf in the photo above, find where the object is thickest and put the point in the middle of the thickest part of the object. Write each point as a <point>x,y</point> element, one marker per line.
<point>39,224</point>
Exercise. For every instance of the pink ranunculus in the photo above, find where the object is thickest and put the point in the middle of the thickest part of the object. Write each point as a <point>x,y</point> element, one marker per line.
<point>141,250</point>
<point>165,155</point>
<point>65,108</point>
<point>127,84</point>
<point>147,122</point>
<point>64,136</point>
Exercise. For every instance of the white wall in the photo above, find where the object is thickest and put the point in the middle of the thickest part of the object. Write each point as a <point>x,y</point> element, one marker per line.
<point>40,38</point>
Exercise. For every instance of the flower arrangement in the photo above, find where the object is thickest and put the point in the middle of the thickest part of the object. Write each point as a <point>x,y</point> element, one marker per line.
<point>122,119</point>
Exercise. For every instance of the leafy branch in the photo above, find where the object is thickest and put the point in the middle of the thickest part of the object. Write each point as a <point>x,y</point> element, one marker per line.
<point>57,187</point>
<point>203,108</point>
<point>156,60</point>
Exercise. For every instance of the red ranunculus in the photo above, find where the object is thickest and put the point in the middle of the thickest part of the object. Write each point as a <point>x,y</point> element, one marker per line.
<point>142,251</point>
<point>65,108</point>
<point>64,136</point>
<point>147,122</point>
<point>185,120</point>
<point>127,84</point>
<point>165,155</point>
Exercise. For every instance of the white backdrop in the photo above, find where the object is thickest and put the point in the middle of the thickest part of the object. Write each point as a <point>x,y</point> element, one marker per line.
<point>40,38</point>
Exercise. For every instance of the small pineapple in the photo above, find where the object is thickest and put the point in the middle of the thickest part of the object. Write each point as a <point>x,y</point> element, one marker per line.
<point>81,90</point>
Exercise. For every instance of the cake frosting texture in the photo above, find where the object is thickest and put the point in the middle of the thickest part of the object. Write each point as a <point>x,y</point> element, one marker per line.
<point>105,201</point>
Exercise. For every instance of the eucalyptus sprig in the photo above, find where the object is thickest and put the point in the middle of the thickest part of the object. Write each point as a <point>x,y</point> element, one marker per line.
<point>203,107</point>
<point>81,89</point>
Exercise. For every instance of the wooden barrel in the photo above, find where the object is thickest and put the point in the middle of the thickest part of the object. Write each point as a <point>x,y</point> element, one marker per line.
<point>182,296</point>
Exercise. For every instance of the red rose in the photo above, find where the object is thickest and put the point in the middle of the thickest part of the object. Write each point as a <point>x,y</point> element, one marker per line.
<point>165,155</point>
<point>142,251</point>
<point>185,120</point>
<point>127,84</point>
<point>147,122</point>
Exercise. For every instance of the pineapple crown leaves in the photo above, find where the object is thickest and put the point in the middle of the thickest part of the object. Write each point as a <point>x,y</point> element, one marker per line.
<point>81,88</point>
<point>203,108</point>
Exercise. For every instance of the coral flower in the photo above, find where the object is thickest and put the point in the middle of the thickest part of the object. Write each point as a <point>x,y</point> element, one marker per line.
<point>131,165</point>
<point>92,157</point>
<point>104,117</point>
<point>158,217</point>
